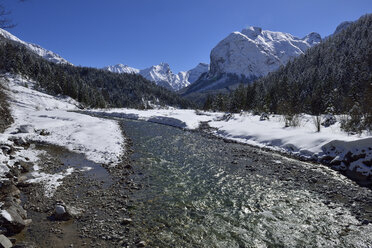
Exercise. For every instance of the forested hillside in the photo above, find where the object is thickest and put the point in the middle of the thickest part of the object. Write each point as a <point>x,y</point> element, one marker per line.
<point>92,87</point>
<point>333,77</point>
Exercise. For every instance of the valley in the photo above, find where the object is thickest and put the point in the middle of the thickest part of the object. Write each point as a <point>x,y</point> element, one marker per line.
<point>267,145</point>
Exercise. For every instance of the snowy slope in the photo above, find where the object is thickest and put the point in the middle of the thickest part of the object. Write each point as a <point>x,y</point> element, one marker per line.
<point>99,139</point>
<point>46,54</point>
<point>39,117</point>
<point>162,74</point>
<point>254,52</point>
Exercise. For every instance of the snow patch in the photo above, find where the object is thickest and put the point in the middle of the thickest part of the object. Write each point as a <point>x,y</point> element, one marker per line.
<point>6,215</point>
<point>50,181</point>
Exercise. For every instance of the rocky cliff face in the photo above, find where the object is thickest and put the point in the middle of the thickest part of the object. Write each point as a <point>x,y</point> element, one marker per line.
<point>254,52</point>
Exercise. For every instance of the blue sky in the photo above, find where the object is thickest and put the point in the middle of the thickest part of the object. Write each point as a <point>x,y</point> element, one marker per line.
<point>141,33</point>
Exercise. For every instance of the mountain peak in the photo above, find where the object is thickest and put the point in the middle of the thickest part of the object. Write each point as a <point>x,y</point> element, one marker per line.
<point>162,74</point>
<point>313,38</point>
<point>252,32</point>
<point>255,52</point>
<point>120,68</point>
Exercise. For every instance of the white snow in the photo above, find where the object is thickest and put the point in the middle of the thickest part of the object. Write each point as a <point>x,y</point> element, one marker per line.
<point>99,139</point>
<point>6,215</point>
<point>50,181</point>
<point>36,113</point>
<point>120,68</point>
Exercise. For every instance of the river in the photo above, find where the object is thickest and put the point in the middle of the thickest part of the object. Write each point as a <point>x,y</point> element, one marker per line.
<point>199,191</point>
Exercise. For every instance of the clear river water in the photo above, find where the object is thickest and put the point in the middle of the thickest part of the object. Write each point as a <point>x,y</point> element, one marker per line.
<point>199,191</point>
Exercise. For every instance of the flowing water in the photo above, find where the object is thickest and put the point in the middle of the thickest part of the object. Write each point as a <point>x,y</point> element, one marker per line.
<point>203,192</point>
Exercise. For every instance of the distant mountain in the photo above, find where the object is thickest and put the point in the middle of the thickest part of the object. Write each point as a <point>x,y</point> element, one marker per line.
<point>251,53</point>
<point>120,68</point>
<point>162,74</point>
<point>46,54</point>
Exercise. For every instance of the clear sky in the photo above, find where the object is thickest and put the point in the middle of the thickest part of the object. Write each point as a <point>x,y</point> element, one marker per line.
<point>141,33</point>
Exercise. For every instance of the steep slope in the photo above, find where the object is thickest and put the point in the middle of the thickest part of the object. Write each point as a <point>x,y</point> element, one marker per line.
<point>190,76</point>
<point>254,52</point>
<point>163,76</point>
<point>42,52</point>
<point>250,54</point>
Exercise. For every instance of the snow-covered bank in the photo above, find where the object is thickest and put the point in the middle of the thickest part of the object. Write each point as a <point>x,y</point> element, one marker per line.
<point>331,145</point>
<point>39,117</point>
<point>46,118</point>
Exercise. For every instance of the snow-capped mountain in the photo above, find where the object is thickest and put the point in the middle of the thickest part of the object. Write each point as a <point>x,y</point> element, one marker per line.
<point>162,74</point>
<point>120,68</point>
<point>254,52</point>
<point>192,75</point>
<point>46,54</point>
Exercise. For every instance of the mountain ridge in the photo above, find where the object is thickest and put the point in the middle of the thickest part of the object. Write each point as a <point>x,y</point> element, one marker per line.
<point>162,74</point>
<point>42,52</point>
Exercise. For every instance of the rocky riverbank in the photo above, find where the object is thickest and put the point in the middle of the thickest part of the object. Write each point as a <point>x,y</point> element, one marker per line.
<point>13,217</point>
<point>89,208</point>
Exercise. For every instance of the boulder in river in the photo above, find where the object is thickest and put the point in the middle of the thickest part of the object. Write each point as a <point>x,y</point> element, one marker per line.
<point>65,212</point>
<point>60,211</point>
